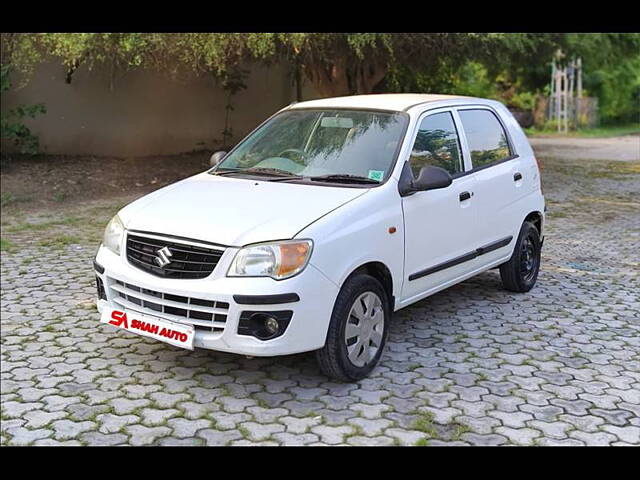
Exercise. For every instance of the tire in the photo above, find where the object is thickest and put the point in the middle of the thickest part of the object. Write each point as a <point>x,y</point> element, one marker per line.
<point>356,308</point>
<point>520,273</point>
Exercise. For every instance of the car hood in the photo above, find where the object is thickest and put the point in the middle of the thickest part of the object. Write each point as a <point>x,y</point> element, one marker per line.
<point>234,211</point>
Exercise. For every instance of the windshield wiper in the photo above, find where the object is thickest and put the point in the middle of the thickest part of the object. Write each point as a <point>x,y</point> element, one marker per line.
<point>225,172</point>
<point>260,171</point>
<point>345,178</point>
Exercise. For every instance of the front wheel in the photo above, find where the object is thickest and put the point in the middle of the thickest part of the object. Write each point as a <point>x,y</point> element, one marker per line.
<point>357,330</point>
<point>520,273</point>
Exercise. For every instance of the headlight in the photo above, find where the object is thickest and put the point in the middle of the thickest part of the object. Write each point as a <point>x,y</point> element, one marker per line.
<point>113,235</point>
<point>276,260</point>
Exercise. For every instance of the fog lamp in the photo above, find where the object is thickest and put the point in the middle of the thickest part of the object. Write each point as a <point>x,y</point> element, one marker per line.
<point>271,325</point>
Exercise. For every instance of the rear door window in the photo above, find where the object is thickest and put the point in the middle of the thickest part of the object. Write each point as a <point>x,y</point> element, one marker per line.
<point>486,138</point>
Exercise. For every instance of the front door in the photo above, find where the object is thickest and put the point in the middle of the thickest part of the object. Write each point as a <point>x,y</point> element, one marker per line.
<point>439,224</point>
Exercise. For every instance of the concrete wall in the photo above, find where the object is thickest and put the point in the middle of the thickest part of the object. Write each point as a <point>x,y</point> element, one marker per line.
<point>145,113</point>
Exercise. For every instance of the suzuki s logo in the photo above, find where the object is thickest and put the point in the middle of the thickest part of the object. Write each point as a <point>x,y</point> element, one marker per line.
<point>163,258</point>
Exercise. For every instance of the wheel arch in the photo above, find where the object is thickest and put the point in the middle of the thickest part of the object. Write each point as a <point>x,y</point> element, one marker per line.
<point>380,272</point>
<point>537,219</point>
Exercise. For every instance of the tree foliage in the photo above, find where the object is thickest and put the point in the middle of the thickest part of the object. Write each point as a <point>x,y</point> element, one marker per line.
<point>334,63</point>
<point>12,127</point>
<point>504,65</point>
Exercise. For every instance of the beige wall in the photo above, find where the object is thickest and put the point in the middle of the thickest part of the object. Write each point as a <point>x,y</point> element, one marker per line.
<point>145,113</point>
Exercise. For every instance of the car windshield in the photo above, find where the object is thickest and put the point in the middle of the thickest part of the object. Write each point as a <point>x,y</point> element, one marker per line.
<point>329,145</point>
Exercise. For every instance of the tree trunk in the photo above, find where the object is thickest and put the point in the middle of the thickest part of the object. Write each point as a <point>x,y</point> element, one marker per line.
<point>345,76</point>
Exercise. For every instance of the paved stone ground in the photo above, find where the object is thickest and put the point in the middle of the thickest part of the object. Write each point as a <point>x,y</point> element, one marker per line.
<point>473,365</point>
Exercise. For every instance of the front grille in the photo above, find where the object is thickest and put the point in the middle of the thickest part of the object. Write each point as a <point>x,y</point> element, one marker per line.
<point>186,261</point>
<point>202,314</point>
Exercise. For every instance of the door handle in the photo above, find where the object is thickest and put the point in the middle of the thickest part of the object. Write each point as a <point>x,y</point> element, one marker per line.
<point>517,176</point>
<point>465,196</point>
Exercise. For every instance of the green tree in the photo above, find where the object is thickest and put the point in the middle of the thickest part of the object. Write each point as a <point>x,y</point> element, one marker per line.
<point>494,64</point>
<point>334,63</point>
<point>12,127</point>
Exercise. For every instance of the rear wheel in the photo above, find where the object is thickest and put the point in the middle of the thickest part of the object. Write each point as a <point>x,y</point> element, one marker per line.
<point>520,273</point>
<point>357,330</point>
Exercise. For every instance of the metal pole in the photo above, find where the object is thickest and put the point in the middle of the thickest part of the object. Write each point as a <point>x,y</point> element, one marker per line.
<point>558,97</point>
<point>579,88</point>
<point>571,103</point>
<point>552,91</point>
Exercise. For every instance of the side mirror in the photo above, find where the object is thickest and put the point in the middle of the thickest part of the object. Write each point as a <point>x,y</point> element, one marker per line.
<point>429,178</point>
<point>216,158</point>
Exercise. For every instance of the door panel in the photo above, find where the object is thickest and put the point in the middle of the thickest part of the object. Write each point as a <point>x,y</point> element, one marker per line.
<point>439,232</point>
<point>497,207</point>
<point>498,182</point>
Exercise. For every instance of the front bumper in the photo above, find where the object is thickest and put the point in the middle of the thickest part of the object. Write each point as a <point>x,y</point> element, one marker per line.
<point>306,330</point>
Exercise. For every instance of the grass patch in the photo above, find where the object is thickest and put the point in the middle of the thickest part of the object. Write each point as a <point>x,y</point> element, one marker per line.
<point>423,442</point>
<point>598,132</point>
<point>458,431</point>
<point>7,245</point>
<point>60,196</point>
<point>28,226</point>
<point>7,198</point>
<point>244,432</point>
<point>424,424</point>
<point>60,241</point>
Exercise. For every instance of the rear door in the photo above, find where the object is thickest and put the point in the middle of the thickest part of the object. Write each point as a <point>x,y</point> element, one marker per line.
<point>497,171</point>
<point>439,224</point>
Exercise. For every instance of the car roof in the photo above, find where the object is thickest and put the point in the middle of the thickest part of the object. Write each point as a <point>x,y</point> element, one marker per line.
<point>385,101</point>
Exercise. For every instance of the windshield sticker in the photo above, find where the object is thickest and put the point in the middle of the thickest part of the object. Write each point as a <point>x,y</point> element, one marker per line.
<point>376,175</point>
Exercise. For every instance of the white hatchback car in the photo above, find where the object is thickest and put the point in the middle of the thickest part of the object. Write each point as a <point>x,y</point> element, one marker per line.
<point>321,223</point>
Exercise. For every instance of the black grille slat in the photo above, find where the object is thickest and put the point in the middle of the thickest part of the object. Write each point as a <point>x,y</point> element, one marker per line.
<point>189,262</point>
<point>151,251</point>
<point>178,247</point>
<point>189,311</point>
<point>180,261</point>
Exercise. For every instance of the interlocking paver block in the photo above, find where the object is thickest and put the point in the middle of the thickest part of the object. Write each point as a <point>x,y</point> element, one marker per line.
<point>552,429</point>
<point>292,439</point>
<point>259,431</point>
<point>519,436</point>
<point>183,428</point>
<point>598,438</point>
<point>489,439</point>
<point>23,436</point>
<point>370,427</point>
<point>66,429</point>
<point>300,425</point>
<point>219,437</point>
<point>141,435</point>
<point>123,406</point>
<point>227,421</point>
<point>39,418</point>
<point>98,438</point>
<point>154,416</point>
<point>512,419</point>
<point>331,435</point>
<point>110,423</point>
